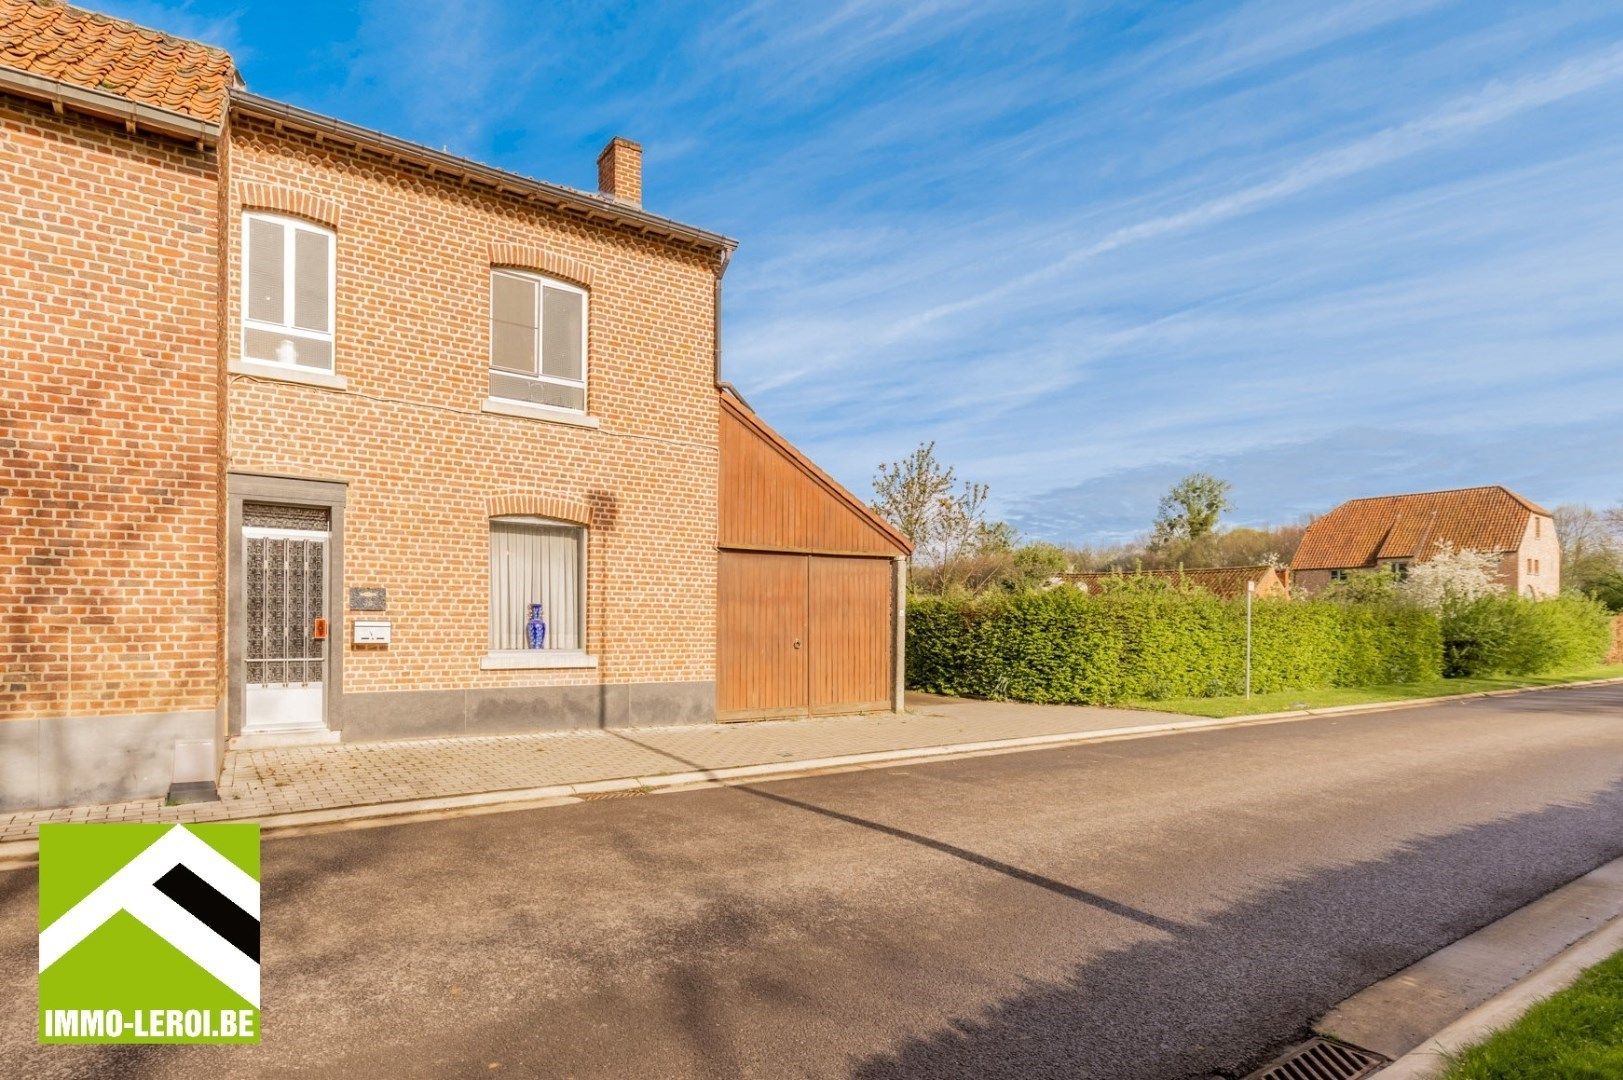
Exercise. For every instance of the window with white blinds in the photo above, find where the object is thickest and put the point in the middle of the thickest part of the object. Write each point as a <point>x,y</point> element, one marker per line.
<point>537,341</point>
<point>287,292</point>
<point>533,561</point>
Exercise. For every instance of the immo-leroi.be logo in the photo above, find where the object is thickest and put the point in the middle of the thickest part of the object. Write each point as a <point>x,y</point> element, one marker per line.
<point>149,933</point>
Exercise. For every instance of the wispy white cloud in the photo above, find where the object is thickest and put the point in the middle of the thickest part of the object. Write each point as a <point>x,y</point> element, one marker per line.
<point>1085,246</point>
<point>1494,104</point>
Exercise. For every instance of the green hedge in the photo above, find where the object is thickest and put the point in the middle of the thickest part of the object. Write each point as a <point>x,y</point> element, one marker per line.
<point>1064,645</point>
<point>1506,635</point>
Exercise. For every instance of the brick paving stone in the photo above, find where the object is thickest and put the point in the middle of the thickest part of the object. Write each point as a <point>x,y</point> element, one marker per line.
<point>255,783</point>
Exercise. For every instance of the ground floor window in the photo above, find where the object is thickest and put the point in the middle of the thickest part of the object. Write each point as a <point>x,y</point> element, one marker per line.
<point>537,576</point>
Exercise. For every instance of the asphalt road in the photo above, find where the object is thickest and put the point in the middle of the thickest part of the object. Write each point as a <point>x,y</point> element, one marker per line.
<point>1154,908</point>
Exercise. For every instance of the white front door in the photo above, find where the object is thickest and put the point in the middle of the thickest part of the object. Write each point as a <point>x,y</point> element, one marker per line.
<point>285,579</point>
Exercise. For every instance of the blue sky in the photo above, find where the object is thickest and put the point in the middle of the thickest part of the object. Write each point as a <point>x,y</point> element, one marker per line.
<point>1322,249</point>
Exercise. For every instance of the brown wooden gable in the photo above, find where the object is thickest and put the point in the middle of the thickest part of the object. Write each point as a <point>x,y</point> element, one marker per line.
<point>774,499</point>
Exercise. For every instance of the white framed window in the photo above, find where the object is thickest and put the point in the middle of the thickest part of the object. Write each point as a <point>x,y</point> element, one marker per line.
<point>535,561</point>
<point>537,341</point>
<point>289,279</point>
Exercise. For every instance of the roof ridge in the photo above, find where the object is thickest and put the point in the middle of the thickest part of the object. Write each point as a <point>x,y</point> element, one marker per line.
<point>126,24</point>
<point>1437,491</point>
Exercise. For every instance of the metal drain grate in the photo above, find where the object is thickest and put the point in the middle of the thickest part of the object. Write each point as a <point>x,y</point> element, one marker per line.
<point>594,796</point>
<point>1321,1059</point>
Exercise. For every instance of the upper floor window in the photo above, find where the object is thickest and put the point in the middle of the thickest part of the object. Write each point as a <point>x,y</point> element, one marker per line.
<point>287,292</point>
<point>537,341</point>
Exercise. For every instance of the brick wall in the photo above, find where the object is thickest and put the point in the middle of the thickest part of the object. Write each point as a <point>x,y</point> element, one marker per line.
<point>422,460</point>
<point>1539,543</point>
<point>110,425</point>
<point>1616,655</point>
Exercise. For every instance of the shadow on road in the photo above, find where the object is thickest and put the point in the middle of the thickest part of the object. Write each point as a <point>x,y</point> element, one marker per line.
<point>1201,995</point>
<point>1201,998</point>
<point>1070,892</point>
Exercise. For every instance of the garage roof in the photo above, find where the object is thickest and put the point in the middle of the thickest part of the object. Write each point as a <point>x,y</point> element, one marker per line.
<point>774,498</point>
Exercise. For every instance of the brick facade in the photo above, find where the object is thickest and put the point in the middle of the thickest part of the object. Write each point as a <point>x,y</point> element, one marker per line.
<point>426,467</point>
<point>111,448</point>
<point>110,439</point>
<point>128,423</point>
<point>1535,568</point>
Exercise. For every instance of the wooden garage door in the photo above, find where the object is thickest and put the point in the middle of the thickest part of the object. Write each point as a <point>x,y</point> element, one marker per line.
<point>799,634</point>
<point>851,640</point>
<point>761,635</point>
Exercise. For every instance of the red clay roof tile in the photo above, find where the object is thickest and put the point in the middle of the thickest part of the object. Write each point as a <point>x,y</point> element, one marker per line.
<point>1363,532</point>
<point>96,52</point>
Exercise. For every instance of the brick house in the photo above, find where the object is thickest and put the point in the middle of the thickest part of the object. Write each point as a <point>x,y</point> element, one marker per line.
<point>304,423</point>
<point>1396,531</point>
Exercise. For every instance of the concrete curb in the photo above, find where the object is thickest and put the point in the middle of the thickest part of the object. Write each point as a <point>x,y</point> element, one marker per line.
<point>1432,1057</point>
<point>24,853</point>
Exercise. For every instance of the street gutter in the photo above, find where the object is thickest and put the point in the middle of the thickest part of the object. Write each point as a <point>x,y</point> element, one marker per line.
<point>1486,980</point>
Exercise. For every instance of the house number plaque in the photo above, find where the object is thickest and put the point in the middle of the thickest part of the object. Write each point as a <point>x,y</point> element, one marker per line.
<point>369,599</point>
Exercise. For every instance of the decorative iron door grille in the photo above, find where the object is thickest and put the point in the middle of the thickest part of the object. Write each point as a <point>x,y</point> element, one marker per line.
<point>286,586</point>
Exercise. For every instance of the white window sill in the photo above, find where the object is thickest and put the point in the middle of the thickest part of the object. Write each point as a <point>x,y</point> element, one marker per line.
<point>539,412</point>
<point>516,659</point>
<point>260,370</point>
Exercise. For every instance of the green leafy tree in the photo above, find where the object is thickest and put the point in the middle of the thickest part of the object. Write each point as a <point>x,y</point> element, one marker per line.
<point>1190,511</point>
<point>1033,565</point>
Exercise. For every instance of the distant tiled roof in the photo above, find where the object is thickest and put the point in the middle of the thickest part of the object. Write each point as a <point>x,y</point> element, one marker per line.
<point>95,52</point>
<point>1363,532</point>
<point>1225,581</point>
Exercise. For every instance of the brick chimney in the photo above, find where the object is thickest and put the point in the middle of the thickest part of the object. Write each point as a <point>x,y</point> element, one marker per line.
<point>619,171</point>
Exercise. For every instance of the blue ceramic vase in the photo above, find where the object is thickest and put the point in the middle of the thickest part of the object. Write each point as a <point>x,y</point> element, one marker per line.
<point>535,630</point>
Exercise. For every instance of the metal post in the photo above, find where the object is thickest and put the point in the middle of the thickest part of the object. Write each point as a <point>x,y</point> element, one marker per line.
<point>1250,591</point>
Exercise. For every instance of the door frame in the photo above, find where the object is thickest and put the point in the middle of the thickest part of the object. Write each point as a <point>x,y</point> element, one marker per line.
<point>262,532</point>
<point>288,491</point>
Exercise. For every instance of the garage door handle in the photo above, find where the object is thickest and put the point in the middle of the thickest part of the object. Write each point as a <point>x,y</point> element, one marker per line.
<point>797,643</point>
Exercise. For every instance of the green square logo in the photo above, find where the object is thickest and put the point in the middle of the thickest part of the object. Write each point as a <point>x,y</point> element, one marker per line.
<point>149,933</point>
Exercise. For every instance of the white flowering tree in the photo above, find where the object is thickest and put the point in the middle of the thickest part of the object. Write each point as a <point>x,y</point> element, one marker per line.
<point>1451,577</point>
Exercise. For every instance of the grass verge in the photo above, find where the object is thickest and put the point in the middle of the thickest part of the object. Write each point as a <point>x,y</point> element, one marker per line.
<point>1576,1034</point>
<point>1288,700</point>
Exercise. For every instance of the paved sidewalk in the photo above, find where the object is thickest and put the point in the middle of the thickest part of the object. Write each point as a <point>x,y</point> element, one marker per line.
<point>260,783</point>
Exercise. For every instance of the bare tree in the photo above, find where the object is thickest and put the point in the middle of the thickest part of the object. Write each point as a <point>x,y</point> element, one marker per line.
<point>1582,531</point>
<point>945,519</point>
<point>909,493</point>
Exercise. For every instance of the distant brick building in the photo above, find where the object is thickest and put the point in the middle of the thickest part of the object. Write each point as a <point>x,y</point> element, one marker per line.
<point>1397,531</point>
<point>303,424</point>
<point>1228,582</point>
